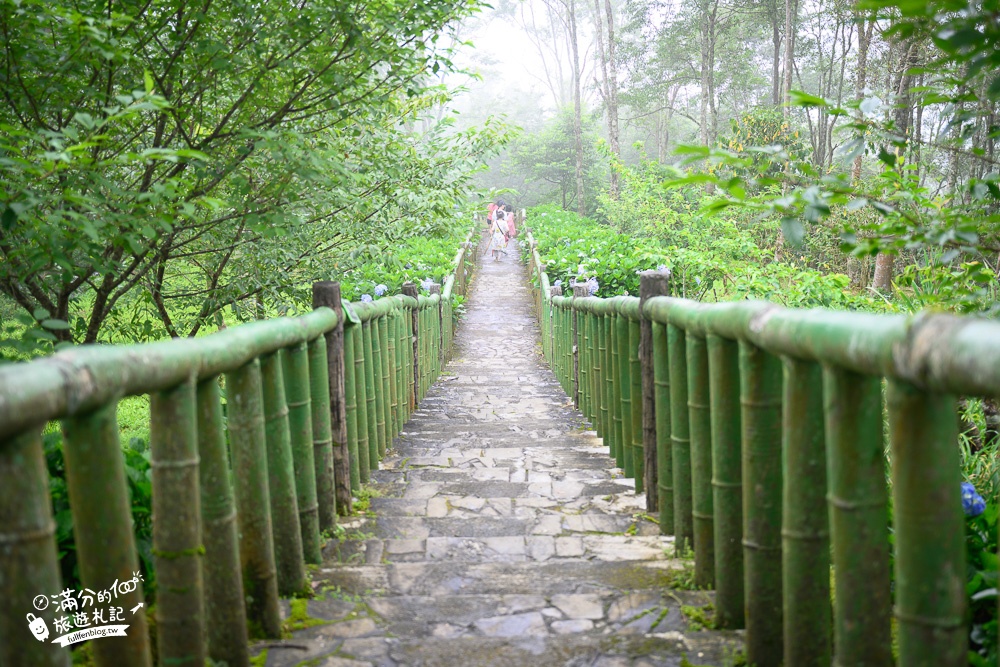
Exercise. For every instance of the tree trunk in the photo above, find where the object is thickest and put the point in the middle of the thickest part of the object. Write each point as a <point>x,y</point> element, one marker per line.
<point>856,267</point>
<point>883,272</point>
<point>577,119</point>
<point>613,135</point>
<point>776,55</point>
<point>608,88</point>
<point>903,113</point>
<point>791,10</point>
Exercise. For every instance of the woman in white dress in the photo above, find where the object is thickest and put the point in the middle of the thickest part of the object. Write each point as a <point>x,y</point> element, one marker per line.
<point>500,229</point>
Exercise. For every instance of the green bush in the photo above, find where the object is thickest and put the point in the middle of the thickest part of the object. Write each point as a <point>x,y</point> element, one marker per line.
<point>711,259</point>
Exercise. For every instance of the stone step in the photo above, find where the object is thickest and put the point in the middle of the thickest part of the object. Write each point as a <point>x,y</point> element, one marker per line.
<point>564,575</point>
<point>573,629</point>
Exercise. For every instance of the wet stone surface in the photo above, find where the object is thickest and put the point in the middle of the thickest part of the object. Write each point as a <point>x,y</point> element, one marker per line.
<point>501,532</point>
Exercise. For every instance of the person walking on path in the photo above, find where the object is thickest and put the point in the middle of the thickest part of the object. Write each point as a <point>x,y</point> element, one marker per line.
<point>511,219</point>
<point>500,230</point>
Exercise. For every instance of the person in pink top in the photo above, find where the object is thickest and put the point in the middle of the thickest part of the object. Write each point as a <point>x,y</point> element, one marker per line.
<point>511,227</point>
<point>490,211</point>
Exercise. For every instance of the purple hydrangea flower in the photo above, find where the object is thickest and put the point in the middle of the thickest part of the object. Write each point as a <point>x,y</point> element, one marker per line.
<point>661,267</point>
<point>366,298</point>
<point>972,503</point>
<point>557,283</point>
<point>427,283</point>
<point>380,290</point>
<point>581,270</point>
<point>592,286</point>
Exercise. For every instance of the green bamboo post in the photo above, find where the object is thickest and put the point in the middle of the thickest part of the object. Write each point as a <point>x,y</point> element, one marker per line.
<point>930,565</point>
<point>412,329</point>
<point>420,353</point>
<point>597,366</point>
<point>371,362</point>
<point>700,432</point>
<point>28,561</point>
<point>727,479</point>
<point>805,534</point>
<point>102,523</point>
<point>392,334</point>
<point>354,447</point>
<point>322,432</point>
<point>245,421</point>
<point>608,407</point>
<point>281,479</point>
<point>327,294</point>
<point>570,352</point>
<point>858,509</point>
<point>402,371</point>
<point>578,370</point>
<point>361,393</point>
<point>437,316</point>
<point>409,341</point>
<point>563,375</point>
<point>588,394</point>
<point>386,392</point>
<point>625,394</point>
<point>426,356</point>
<point>556,361</point>
<point>380,423</point>
<point>597,381</point>
<point>664,452</point>
<point>225,615</point>
<point>617,449</point>
<point>295,372</point>
<point>635,393</point>
<point>438,323</point>
<point>555,290</point>
<point>583,376</point>
<point>760,398</point>
<point>680,439</point>
<point>177,544</point>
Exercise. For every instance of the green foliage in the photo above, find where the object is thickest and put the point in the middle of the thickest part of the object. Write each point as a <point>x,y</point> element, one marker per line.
<point>164,168</point>
<point>892,213</point>
<point>711,258</point>
<point>549,158</point>
<point>981,583</point>
<point>415,259</point>
<point>137,473</point>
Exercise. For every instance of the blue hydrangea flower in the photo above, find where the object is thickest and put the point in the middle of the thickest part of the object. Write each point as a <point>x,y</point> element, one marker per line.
<point>380,290</point>
<point>661,267</point>
<point>366,298</point>
<point>557,283</point>
<point>581,270</point>
<point>592,286</point>
<point>972,502</point>
<point>427,283</point>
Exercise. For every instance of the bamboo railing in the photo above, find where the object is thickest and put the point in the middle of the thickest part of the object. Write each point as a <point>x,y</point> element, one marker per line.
<point>762,447</point>
<point>240,495</point>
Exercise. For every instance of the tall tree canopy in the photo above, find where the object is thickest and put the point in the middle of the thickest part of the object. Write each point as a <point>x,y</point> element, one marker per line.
<point>179,157</point>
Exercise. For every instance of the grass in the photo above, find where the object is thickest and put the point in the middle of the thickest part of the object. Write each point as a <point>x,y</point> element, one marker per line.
<point>362,504</point>
<point>299,618</point>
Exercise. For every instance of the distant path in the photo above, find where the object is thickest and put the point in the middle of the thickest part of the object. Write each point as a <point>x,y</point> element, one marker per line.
<point>503,535</point>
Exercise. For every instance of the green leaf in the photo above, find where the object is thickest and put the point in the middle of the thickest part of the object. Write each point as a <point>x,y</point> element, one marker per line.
<point>148,79</point>
<point>793,231</point>
<point>55,325</point>
<point>799,98</point>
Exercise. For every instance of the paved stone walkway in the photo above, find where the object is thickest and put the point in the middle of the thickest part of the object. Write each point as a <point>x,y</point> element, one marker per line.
<point>501,533</point>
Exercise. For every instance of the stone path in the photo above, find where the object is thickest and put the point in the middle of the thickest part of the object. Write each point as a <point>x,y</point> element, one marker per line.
<point>500,533</point>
